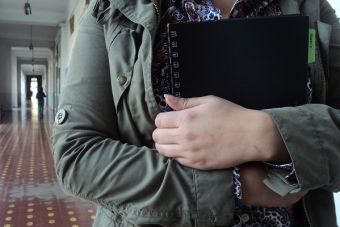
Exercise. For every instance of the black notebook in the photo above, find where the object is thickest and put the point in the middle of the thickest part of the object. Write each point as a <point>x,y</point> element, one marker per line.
<point>255,62</point>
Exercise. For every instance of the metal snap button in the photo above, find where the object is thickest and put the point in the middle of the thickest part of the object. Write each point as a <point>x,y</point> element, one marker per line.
<point>121,79</point>
<point>60,117</point>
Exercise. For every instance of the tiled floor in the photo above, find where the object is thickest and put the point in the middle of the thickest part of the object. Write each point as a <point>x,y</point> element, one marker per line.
<point>29,191</point>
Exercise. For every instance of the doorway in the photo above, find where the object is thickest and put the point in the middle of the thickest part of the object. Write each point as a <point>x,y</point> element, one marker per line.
<point>32,84</point>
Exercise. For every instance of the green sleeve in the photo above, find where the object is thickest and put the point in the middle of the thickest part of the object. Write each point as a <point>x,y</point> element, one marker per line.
<point>311,132</point>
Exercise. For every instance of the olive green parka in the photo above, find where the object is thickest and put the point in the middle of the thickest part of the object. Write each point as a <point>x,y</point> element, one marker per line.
<point>102,142</point>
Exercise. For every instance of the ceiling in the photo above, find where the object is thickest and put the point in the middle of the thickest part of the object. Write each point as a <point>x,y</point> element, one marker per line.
<point>29,69</point>
<point>44,12</point>
<point>46,17</point>
<point>23,32</point>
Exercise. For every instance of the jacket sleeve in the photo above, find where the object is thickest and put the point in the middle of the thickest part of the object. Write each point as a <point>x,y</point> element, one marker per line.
<point>333,93</point>
<point>328,14</point>
<point>94,164</point>
<point>311,132</point>
<point>91,161</point>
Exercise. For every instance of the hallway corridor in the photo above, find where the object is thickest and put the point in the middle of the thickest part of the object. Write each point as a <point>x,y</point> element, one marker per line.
<point>29,191</point>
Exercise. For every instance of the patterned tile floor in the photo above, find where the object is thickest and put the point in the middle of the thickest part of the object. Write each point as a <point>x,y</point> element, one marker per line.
<point>29,191</point>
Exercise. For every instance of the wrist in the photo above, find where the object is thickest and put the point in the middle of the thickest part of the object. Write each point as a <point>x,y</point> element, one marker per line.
<point>267,144</point>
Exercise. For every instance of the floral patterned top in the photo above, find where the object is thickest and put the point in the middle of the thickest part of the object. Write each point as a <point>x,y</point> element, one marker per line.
<point>174,11</point>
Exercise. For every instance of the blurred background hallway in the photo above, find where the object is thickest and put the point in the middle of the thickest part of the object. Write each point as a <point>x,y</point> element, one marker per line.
<point>36,39</point>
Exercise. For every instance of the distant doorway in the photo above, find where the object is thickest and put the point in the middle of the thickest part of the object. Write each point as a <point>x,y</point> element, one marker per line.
<point>32,84</point>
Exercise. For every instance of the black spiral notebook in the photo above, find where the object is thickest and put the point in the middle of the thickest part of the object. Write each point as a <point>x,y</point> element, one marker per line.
<point>255,62</point>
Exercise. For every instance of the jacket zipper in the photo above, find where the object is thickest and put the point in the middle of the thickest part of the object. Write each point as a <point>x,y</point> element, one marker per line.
<point>305,210</point>
<point>157,10</point>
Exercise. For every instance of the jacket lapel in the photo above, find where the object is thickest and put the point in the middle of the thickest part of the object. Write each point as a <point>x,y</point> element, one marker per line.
<point>290,6</point>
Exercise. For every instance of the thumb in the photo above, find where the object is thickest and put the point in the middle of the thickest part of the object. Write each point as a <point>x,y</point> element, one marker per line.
<point>178,103</point>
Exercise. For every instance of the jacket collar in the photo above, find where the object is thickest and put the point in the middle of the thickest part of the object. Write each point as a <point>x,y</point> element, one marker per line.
<point>290,6</point>
<point>312,7</point>
<point>145,13</point>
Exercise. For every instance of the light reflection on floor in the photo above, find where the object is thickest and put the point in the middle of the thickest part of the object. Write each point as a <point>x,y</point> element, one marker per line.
<point>29,192</point>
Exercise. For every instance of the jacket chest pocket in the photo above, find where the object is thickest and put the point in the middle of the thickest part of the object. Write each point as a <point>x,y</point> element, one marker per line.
<point>122,44</point>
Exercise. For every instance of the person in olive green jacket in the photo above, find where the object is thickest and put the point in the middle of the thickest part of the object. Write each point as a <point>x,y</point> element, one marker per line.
<point>111,141</point>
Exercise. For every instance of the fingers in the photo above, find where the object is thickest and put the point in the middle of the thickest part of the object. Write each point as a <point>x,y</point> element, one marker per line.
<point>176,152</point>
<point>165,136</point>
<point>170,150</point>
<point>175,103</point>
<point>173,119</point>
<point>167,120</point>
<point>178,103</point>
<point>186,162</point>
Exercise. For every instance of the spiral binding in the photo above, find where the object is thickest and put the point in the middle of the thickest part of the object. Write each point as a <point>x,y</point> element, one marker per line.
<point>174,64</point>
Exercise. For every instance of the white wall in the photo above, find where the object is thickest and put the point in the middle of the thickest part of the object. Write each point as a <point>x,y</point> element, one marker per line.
<point>66,40</point>
<point>50,82</point>
<point>337,206</point>
<point>336,5</point>
<point>23,86</point>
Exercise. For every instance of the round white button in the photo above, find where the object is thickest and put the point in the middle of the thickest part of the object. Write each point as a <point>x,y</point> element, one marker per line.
<point>60,117</point>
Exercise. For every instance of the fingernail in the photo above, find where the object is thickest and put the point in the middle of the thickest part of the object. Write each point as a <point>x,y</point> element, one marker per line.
<point>167,96</point>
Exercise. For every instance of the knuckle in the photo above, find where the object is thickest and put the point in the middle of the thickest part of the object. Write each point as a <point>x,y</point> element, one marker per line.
<point>188,135</point>
<point>210,98</point>
<point>159,120</point>
<point>155,135</point>
<point>157,147</point>
<point>193,158</point>
<point>160,149</point>
<point>199,163</point>
<point>188,117</point>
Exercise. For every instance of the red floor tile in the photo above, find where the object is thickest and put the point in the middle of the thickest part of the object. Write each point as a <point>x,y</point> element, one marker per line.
<point>29,192</point>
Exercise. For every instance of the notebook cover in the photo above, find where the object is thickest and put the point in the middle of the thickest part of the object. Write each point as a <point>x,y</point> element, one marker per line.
<point>255,62</point>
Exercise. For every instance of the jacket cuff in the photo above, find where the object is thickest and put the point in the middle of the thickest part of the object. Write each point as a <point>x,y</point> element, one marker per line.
<point>302,139</point>
<point>277,181</point>
<point>281,178</point>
